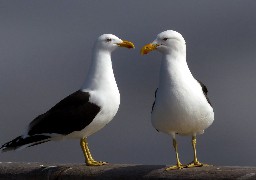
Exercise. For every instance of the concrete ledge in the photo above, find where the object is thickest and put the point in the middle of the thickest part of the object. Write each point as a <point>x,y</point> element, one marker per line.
<point>11,170</point>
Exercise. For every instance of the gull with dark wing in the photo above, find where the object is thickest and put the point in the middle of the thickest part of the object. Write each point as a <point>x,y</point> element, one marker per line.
<point>181,104</point>
<point>84,112</point>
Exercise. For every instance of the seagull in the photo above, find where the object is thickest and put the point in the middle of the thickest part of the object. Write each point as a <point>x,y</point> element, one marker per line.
<point>84,112</point>
<point>181,104</point>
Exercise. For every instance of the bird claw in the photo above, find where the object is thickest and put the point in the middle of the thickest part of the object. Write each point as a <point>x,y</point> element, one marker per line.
<point>96,163</point>
<point>176,167</point>
<point>196,164</point>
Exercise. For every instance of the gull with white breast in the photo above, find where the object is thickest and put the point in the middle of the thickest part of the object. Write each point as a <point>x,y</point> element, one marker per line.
<point>181,104</point>
<point>85,111</point>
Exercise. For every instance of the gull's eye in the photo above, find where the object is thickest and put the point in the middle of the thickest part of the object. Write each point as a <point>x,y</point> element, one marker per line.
<point>165,39</point>
<point>108,40</point>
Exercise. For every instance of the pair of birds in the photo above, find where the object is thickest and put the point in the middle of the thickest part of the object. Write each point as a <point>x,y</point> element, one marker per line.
<point>181,105</point>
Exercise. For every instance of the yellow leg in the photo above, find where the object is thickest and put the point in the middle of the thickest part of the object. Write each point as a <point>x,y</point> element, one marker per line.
<point>88,151</point>
<point>88,157</point>
<point>195,163</point>
<point>179,165</point>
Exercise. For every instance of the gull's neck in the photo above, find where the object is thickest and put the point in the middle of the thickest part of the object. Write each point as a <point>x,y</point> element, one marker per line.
<point>174,69</point>
<point>100,75</point>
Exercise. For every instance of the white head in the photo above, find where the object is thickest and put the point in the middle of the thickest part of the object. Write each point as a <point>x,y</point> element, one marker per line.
<point>110,42</point>
<point>166,42</point>
<point>100,74</point>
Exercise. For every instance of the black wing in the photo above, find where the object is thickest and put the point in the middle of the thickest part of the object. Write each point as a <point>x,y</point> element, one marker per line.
<point>73,113</point>
<point>20,141</point>
<point>205,91</point>
<point>153,105</point>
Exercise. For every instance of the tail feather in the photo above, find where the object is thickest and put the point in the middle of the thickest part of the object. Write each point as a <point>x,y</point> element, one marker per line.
<point>21,141</point>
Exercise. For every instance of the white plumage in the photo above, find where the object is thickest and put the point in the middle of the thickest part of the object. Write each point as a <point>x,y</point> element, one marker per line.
<point>181,105</point>
<point>101,84</point>
<point>84,112</point>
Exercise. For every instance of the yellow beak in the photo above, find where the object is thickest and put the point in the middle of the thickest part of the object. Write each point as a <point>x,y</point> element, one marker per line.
<point>147,48</point>
<point>126,44</point>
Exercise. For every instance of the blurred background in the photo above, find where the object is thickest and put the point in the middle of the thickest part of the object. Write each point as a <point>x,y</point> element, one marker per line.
<point>45,52</point>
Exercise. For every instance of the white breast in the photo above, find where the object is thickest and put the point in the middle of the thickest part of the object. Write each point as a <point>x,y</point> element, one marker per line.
<point>109,103</point>
<point>101,85</point>
<point>181,111</point>
<point>180,105</point>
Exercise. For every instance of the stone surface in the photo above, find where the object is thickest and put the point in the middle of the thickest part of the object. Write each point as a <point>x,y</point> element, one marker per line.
<point>13,170</point>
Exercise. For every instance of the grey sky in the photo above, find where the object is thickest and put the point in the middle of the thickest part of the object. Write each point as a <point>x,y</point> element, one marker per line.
<point>45,51</point>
